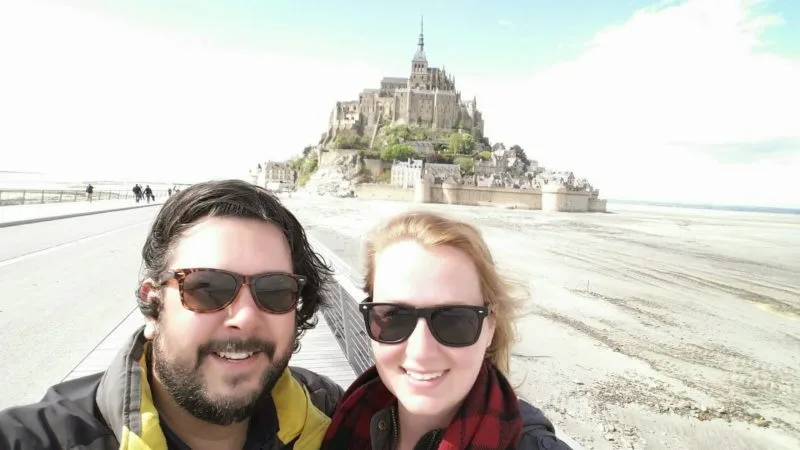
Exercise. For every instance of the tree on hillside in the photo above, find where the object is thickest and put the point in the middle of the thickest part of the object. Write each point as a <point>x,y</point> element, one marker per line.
<point>460,144</point>
<point>466,164</point>
<point>418,134</point>
<point>397,135</point>
<point>519,152</point>
<point>347,139</point>
<point>439,158</point>
<point>397,152</point>
<point>485,155</point>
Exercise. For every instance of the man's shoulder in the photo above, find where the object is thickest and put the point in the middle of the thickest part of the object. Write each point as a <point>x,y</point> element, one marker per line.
<point>65,418</point>
<point>325,393</point>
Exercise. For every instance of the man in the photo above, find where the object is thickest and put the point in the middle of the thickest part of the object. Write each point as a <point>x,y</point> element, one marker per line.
<point>230,283</point>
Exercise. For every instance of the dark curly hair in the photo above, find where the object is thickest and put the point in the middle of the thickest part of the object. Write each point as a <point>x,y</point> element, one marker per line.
<point>233,198</point>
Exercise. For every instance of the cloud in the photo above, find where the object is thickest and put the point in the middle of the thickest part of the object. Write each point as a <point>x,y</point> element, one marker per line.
<point>83,93</point>
<point>682,102</point>
<point>505,23</point>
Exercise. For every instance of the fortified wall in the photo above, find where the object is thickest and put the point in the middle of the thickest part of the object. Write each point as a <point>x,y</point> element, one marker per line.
<point>548,198</point>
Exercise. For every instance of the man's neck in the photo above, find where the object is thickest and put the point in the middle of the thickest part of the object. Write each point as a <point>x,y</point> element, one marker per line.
<point>195,433</point>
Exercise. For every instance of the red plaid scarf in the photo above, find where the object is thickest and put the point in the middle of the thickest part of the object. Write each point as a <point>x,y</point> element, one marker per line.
<point>489,418</point>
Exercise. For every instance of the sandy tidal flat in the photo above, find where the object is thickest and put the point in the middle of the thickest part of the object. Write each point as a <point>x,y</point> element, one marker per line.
<point>648,327</point>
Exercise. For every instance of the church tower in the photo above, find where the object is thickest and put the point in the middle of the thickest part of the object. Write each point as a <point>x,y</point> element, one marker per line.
<point>419,65</point>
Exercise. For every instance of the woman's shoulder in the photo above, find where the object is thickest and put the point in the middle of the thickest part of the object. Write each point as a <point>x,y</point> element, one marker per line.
<point>537,430</point>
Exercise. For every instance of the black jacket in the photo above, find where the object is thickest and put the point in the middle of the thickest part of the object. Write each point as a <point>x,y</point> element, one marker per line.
<point>538,432</point>
<point>114,410</point>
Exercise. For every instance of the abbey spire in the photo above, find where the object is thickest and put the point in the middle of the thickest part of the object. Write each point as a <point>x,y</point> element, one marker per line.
<point>420,54</point>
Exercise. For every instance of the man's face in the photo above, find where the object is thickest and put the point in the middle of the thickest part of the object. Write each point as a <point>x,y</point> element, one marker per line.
<point>187,359</point>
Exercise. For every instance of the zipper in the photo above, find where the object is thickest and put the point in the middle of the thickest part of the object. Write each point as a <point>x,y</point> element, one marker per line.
<point>433,440</point>
<point>395,427</point>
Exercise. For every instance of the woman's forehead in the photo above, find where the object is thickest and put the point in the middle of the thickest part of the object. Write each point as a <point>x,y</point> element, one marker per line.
<point>408,271</point>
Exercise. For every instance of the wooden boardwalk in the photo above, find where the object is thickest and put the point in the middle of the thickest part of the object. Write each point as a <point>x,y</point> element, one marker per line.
<point>319,351</point>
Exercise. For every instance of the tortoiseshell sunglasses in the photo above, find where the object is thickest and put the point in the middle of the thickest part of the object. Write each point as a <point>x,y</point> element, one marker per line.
<point>206,290</point>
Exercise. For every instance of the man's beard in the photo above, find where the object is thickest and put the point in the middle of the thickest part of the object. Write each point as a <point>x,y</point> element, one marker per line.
<point>185,384</point>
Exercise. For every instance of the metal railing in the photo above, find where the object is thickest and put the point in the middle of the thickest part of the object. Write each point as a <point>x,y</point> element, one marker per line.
<point>10,197</point>
<point>342,314</point>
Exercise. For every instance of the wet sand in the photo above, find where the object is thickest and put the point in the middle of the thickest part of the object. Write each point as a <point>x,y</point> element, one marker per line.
<point>647,327</point>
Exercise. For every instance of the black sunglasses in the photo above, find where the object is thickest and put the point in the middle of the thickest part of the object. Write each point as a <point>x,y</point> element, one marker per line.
<point>209,290</point>
<point>450,325</point>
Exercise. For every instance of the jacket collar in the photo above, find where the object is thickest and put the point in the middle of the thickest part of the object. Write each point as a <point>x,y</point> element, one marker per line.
<point>385,431</point>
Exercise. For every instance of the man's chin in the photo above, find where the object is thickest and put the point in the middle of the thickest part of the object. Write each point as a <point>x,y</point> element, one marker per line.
<point>223,390</point>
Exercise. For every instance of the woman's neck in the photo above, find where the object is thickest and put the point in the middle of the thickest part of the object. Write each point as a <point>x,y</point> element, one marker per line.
<point>414,426</point>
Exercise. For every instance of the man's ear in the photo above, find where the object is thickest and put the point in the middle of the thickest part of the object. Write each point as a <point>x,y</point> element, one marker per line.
<point>150,294</point>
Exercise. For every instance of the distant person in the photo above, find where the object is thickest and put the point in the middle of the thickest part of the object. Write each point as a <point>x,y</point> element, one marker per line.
<point>137,192</point>
<point>89,192</point>
<point>209,369</point>
<point>148,193</point>
<point>169,192</point>
<point>441,323</point>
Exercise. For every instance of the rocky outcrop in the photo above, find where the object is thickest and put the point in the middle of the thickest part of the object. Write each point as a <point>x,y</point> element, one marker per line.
<point>338,178</point>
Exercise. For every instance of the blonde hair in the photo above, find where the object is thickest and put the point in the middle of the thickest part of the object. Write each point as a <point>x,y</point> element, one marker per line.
<point>433,230</point>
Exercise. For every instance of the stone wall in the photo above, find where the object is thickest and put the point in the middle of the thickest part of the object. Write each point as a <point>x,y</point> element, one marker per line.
<point>558,198</point>
<point>550,198</point>
<point>597,205</point>
<point>477,196</point>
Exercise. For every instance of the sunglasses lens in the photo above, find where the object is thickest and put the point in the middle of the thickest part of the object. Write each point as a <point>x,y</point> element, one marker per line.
<point>456,326</point>
<point>276,293</point>
<point>208,291</point>
<point>390,323</point>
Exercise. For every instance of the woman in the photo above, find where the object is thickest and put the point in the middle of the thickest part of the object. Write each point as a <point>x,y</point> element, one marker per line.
<point>441,324</point>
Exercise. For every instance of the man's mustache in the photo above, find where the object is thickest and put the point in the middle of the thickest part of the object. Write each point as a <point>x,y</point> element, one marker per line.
<point>250,345</point>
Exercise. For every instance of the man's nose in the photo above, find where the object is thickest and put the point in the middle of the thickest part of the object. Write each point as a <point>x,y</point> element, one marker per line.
<point>244,312</point>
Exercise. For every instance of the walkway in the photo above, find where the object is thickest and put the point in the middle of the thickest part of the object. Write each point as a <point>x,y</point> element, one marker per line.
<point>14,214</point>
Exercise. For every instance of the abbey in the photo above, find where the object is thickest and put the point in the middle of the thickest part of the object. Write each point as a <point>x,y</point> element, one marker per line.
<point>427,98</point>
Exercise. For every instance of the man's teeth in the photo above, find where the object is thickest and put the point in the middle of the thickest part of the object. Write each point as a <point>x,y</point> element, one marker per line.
<point>424,376</point>
<point>234,355</point>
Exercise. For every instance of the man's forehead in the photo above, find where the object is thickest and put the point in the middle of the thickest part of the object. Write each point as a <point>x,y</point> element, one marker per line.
<point>240,244</point>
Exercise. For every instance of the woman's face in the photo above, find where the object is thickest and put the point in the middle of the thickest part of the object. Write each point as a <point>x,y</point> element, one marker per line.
<point>427,377</point>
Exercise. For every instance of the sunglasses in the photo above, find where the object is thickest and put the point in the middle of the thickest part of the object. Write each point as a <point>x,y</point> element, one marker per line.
<point>211,290</point>
<point>450,325</point>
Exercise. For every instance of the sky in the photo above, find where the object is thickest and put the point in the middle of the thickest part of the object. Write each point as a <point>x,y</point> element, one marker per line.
<point>687,101</point>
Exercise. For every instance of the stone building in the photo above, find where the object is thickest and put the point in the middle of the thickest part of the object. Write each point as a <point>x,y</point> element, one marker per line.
<point>272,174</point>
<point>428,97</point>
<point>438,173</point>
<point>406,173</point>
